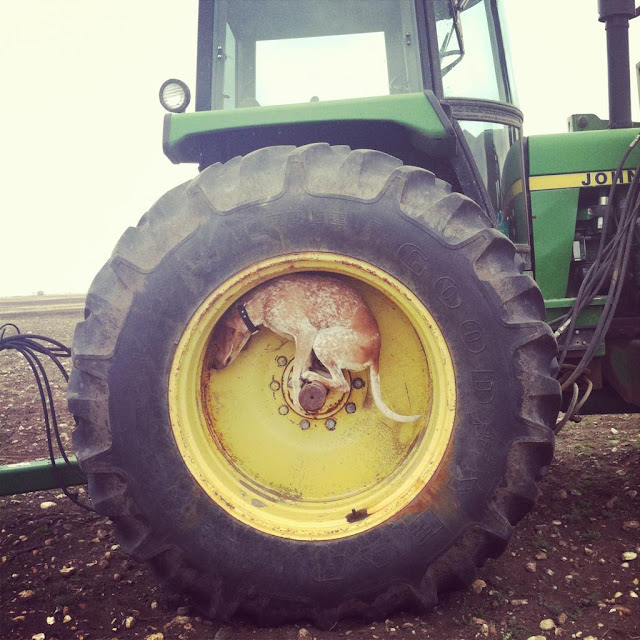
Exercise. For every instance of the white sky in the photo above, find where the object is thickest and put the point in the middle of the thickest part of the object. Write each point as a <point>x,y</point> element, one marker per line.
<point>81,155</point>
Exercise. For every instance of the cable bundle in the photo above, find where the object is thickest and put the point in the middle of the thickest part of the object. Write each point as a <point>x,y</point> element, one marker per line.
<point>32,347</point>
<point>612,261</point>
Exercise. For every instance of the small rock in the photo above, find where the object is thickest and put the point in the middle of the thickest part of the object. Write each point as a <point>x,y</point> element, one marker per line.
<point>129,622</point>
<point>629,555</point>
<point>67,571</point>
<point>51,620</point>
<point>101,534</point>
<point>620,609</point>
<point>631,525</point>
<point>556,523</point>
<point>611,503</point>
<point>633,594</point>
<point>562,618</point>
<point>155,636</point>
<point>154,605</point>
<point>547,624</point>
<point>27,594</point>
<point>625,565</point>
<point>632,493</point>
<point>562,494</point>
<point>47,504</point>
<point>304,634</point>
<point>519,603</point>
<point>531,567</point>
<point>614,431</point>
<point>541,555</point>
<point>409,625</point>
<point>588,551</point>
<point>602,561</point>
<point>177,620</point>
<point>478,585</point>
<point>117,577</point>
<point>536,638</point>
<point>38,636</point>
<point>617,594</point>
<point>66,619</point>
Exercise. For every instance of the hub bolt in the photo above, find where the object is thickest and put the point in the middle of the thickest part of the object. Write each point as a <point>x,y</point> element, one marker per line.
<point>358,383</point>
<point>351,407</point>
<point>274,385</point>
<point>330,424</point>
<point>283,409</point>
<point>304,424</point>
<point>282,361</point>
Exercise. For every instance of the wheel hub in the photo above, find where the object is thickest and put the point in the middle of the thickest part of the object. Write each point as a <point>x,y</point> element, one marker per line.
<point>318,402</point>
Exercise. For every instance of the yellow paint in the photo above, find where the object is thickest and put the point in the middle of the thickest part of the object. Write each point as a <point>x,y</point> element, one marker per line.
<point>240,437</point>
<point>585,179</point>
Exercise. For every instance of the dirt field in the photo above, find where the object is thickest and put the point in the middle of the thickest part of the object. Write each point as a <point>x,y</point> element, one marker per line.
<point>62,574</point>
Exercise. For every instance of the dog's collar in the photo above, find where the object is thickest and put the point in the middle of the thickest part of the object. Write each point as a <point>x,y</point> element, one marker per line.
<point>245,318</point>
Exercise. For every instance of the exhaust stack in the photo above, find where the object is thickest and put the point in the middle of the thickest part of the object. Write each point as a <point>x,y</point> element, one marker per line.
<point>616,15</point>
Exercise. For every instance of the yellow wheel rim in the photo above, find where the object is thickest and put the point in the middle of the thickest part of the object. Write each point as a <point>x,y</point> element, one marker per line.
<point>328,475</point>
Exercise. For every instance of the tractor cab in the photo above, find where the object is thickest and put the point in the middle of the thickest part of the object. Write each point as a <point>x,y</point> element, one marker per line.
<point>274,52</point>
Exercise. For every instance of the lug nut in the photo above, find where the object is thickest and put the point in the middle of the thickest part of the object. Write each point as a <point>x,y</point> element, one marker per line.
<point>330,424</point>
<point>358,383</point>
<point>351,407</point>
<point>304,424</point>
<point>274,385</point>
<point>283,409</point>
<point>282,361</point>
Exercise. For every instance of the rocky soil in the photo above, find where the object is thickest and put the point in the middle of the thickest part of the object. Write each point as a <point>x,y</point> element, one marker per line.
<point>571,570</point>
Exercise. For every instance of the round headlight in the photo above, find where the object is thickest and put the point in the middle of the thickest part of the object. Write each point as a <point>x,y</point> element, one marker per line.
<point>174,95</point>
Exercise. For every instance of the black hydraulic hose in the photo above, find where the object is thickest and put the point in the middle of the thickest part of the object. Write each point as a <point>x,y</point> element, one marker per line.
<point>29,346</point>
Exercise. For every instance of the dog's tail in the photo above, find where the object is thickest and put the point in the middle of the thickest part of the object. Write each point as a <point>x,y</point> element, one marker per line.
<point>377,398</point>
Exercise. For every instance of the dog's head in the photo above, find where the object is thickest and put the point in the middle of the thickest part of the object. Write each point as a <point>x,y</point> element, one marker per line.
<point>229,337</point>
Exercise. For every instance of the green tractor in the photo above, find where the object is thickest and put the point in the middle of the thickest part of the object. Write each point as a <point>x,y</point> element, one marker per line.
<point>373,143</point>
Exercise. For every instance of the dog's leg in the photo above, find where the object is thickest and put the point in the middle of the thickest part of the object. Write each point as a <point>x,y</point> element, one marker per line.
<point>301,363</point>
<point>330,347</point>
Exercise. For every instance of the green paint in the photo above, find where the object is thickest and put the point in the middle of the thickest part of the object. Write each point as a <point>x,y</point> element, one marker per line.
<point>554,222</point>
<point>38,475</point>
<point>589,316</point>
<point>581,151</point>
<point>411,112</point>
<point>621,369</point>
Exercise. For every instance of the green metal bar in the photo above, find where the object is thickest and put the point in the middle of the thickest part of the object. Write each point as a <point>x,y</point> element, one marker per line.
<point>38,475</point>
<point>589,316</point>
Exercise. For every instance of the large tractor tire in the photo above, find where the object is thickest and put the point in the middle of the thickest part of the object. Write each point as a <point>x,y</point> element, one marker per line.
<point>216,479</point>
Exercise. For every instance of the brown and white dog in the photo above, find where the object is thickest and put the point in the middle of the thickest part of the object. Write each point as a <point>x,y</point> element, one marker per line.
<point>323,315</point>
